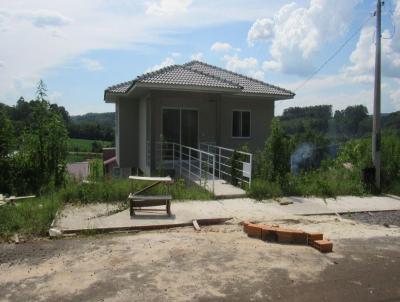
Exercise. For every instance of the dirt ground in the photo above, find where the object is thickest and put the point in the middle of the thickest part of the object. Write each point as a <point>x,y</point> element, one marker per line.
<point>219,263</point>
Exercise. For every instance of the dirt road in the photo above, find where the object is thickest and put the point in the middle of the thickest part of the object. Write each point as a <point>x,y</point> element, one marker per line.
<point>217,264</point>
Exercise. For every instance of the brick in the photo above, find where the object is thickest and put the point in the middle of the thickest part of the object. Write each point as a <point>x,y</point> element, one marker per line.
<point>314,236</point>
<point>252,230</point>
<point>268,233</point>
<point>324,246</point>
<point>291,236</point>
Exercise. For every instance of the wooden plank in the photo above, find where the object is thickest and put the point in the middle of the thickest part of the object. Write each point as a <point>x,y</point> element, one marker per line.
<point>204,221</point>
<point>145,178</point>
<point>150,197</point>
<point>196,225</point>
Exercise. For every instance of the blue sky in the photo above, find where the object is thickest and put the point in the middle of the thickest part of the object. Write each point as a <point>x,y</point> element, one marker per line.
<point>81,47</point>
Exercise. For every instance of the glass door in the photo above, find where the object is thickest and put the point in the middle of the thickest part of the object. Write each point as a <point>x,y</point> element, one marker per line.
<point>181,126</point>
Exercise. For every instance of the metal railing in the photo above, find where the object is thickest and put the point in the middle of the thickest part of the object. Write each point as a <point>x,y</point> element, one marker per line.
<point>194,164</point>
<point>224,158</point>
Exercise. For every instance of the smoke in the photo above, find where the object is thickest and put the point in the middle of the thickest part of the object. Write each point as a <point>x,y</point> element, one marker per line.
<point>301,158</point>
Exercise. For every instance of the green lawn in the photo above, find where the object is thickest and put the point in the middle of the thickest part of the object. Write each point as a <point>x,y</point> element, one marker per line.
<point>85,145</point>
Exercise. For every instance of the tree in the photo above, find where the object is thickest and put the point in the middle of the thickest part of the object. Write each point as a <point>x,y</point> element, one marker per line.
<point>6,142</point>
<point>349,121</point>
<point>40,162</point>
<point>41,91</point>
<point>276,158</point>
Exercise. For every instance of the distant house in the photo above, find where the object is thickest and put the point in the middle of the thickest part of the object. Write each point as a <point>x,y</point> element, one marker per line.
<point>190,105</point>
<point>109,161</point>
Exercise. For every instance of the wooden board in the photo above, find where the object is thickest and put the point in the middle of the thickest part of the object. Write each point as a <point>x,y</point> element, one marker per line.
<point>145,178</point>
<point>202,221</point>
<point>196,225</point>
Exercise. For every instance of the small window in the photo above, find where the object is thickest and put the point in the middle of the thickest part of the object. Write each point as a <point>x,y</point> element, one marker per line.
<point>240,123</point>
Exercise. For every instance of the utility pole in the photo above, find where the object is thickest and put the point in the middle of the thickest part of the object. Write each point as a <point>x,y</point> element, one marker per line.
<point>376,125</point>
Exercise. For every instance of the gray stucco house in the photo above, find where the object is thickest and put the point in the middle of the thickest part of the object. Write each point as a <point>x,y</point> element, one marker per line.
<point>190,104</point>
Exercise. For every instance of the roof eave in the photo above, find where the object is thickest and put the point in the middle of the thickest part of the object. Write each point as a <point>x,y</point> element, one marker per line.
<point>268,95</point>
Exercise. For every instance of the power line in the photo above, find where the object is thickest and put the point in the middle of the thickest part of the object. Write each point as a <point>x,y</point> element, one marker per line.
<point>334,54</point>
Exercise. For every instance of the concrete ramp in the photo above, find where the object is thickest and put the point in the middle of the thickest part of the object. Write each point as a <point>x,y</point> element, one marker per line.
<point>223,190</point>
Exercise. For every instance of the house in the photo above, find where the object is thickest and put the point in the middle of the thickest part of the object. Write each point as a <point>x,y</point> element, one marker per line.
<point>189,105</point>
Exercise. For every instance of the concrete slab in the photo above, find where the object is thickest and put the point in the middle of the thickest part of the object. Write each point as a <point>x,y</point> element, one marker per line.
<point>81,217</point>
<point>223,189</point>
<point>342,204</point>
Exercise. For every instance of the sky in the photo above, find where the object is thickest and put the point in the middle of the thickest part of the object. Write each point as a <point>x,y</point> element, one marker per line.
<point>79,48</point>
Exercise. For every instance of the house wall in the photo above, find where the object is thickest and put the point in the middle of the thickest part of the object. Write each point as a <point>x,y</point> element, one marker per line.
<point>127,132</point>
<point>139,123</point>
<point>261,114</point>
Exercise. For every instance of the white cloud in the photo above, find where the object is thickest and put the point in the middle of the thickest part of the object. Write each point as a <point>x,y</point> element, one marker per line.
<point>167,7</point>
<point>395,96</point>
<point>38,18</point>
<point>166,62</point>
<point>297,33</point>
<point>362,59</point>
<point>223,47</point>
<point>2,64</point>
<point>92,65</point>
<point>199,56</point>
<point>54,96</point>
<point>248,66</point>
<point>262,29</point>
<point>176,54</point>
<point>32,48</point>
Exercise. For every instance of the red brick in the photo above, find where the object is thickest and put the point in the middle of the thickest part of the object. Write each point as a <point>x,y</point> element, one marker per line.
<point>290,236</point>
<point>253,230</point>
<point>314,236</point>
<point>324,246</point>
<point>268,233</point>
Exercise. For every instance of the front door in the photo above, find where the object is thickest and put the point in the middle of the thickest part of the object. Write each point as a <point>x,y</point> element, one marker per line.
<point>181,126</point>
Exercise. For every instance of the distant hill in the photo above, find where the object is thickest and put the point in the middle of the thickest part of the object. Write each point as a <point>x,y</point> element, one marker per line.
<point>106,119</point>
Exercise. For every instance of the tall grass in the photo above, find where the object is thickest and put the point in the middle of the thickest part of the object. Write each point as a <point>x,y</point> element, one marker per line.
<point>330,182</point>
<point>117,190</point>
<point>34,216</point>
<point>29,217</point>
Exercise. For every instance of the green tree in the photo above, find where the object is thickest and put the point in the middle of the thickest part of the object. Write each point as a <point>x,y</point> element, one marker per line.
<point>6,142</point>
<point>41,91</point>
<point>276,158</point>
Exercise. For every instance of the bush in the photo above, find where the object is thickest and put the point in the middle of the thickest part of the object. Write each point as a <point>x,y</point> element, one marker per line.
<point>325,183</point>
<point>262,189</point>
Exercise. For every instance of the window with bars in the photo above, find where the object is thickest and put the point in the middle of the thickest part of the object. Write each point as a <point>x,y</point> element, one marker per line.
<point>240,124</point>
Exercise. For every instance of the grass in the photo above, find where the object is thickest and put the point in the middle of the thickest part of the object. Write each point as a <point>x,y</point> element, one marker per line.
<point>32,217</point>
<point>84,145</point>
<point>117,190</point>
<point>325,183</point>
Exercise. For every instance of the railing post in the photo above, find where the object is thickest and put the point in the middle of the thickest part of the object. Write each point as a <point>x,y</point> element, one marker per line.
<point>219,163</point>
<point>213,186</point>
<point>180,160</point>
<point>190,162</point>
<point>251,168</point>
<point>173,156</point>
<point>201,166</point>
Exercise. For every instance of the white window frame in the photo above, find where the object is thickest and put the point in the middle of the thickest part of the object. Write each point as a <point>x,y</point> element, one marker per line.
<point>241,125</point>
